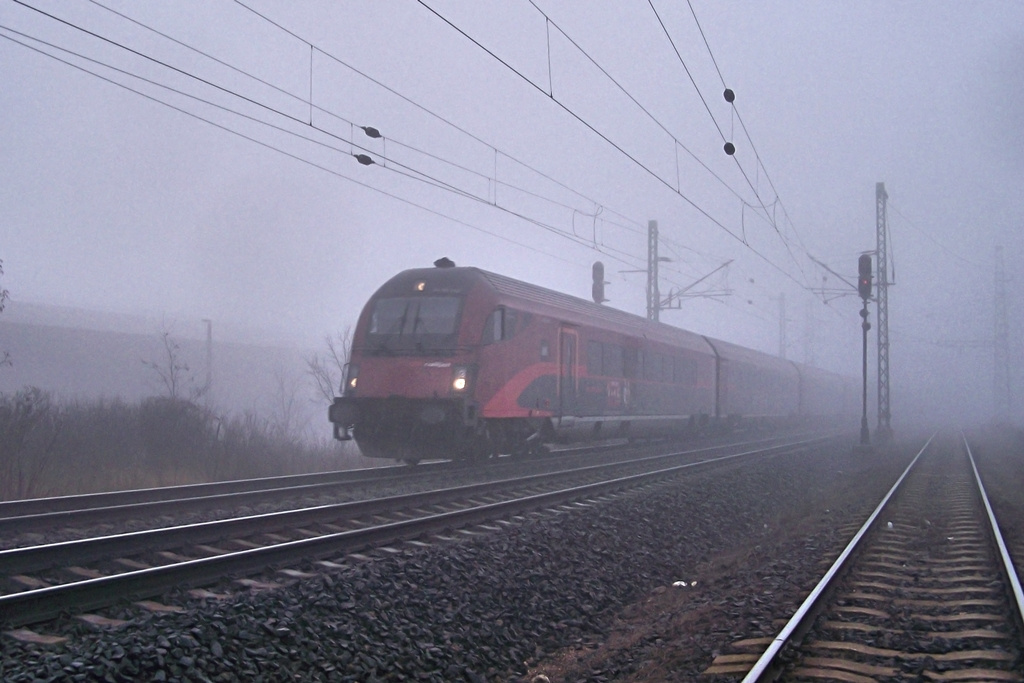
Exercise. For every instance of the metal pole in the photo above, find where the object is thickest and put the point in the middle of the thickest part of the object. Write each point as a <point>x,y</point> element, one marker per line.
<point>782,325</point>
<point>653,295</point>
<point>209,357</point>
<point>884,430</point>
<point>865,433</point>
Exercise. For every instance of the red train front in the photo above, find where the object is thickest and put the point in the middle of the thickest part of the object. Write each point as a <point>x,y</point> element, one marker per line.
<point>423,369</point>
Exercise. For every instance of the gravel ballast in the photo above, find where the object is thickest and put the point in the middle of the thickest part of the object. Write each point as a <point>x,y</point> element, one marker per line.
<point>581,594</point>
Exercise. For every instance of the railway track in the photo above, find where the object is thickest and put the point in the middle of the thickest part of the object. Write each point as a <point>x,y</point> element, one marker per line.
<point>925,591</point>
<point>32,521</point>
<point>21,517</point>
<point>46,580</point>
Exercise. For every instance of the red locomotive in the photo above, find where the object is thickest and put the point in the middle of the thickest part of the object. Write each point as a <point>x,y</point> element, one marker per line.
<point>451,362</point>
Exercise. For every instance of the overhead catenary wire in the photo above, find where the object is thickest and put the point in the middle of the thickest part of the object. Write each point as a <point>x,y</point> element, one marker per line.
<point>329,55</point>
<point>412,172</point>
<point>409,172</point>
<point>310,103</point>
<point>746,133</point>
<point>600,207</point>
<point>617,147</point>
<point>286,153</point>
<point>624,91</point>
<point>391,165</point>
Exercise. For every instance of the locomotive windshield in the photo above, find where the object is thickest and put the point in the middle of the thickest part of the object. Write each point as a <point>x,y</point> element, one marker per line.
<point>418,324</point>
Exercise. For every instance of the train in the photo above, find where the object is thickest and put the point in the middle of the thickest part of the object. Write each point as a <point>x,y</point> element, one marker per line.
<point>460,363</point>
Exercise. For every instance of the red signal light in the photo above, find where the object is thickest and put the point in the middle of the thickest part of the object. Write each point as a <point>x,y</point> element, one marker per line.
<point>864,276</point>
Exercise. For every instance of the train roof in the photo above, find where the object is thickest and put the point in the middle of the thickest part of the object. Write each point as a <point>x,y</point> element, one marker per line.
<point>582,311</point>
<point>571,308</point>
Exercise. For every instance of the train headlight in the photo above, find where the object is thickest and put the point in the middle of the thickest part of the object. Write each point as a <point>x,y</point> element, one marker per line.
<point>351,379</point>
<point>460,379</point>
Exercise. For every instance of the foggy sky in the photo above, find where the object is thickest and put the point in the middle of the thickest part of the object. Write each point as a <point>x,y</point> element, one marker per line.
<point>115,202</point>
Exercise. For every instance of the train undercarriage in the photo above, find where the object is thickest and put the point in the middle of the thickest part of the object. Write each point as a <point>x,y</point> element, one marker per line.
<point>415,430</point>
<point>412,430</point>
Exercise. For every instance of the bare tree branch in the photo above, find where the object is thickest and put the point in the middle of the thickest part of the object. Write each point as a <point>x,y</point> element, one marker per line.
<point>328,369</point>
<point>172,369</point>
<point>5,356</point>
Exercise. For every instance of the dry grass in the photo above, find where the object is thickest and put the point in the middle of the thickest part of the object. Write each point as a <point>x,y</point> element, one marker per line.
<point>54,449</point>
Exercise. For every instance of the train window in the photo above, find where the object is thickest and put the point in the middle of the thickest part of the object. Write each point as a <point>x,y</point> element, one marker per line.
<point>684,371</point>
<point>594,364</point>
<point>653,366</point>
<point>612,360</point>
<point>494,328</point>
<point>628,362</point>
<point>501,325</point>
<point>421,323</point>
<point>512,323</point>
<point>412,316</point>
<point>545,350</point>
<point>636,370</point>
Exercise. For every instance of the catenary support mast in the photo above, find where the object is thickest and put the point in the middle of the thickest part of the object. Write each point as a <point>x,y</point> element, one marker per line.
<point>884,429</point>
<point>1001,398</point>
<point>653,294</point>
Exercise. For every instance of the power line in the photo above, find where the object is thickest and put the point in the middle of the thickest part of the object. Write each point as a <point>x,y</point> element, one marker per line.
<point>580,119</point>
<point>268,145</point>
<point>753,147</point>
<point>633,99</point>
<point>408,172</point>
<point>390,164</point>
<point>638,225</point>
<point>940,245</point>
<point>613,144</point>
<point>325,111</point>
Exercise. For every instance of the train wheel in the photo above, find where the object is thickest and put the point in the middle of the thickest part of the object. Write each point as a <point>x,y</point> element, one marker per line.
<point>479,446</point>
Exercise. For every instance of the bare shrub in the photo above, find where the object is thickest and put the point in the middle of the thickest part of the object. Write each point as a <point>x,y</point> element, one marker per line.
<point>100,447</point>
<point>48,449</point>
<point>175,436</point>
<point>29,427</point>
<point>174,372</point>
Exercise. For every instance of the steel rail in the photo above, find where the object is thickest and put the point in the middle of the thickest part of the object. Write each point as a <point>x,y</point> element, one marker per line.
<point>84,501</point>
<point>27,508</point>
<point>159,501</point>
<point>36,558</point>
<point>1006,562</point>
<point>766,660</point>
<point>44,603</point>
<point>166,502</point>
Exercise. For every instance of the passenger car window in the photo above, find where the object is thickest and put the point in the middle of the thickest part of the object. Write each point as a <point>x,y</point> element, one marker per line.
<point>594,364</point>
<point>612,360</point>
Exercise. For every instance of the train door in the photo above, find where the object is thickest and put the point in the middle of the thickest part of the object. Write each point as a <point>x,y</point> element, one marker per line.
<point>568,345</point>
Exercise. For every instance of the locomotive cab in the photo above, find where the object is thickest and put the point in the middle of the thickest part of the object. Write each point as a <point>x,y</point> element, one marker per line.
<point>410,390</point>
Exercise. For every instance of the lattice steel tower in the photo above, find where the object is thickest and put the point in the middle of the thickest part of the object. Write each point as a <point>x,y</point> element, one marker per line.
<point>653,293</point>
<point>1001,345</point>
<point>884,430</point>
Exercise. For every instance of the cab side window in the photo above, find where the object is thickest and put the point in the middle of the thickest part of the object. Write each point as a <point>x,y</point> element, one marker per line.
<point>500,325</point>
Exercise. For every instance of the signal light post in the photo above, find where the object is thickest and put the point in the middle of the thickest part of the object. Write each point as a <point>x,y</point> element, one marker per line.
<point>864,289</point>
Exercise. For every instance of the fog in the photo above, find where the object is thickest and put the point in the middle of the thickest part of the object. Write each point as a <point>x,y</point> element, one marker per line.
<point>531,139</point>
